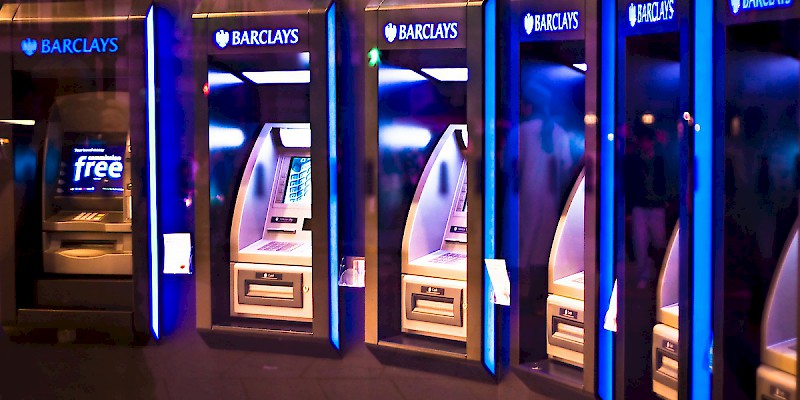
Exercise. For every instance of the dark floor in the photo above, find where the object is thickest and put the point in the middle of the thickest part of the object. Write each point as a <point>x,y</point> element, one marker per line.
<point>182,366</point>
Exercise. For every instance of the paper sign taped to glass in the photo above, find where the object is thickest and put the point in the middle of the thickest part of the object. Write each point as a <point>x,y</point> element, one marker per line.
<point>498,277</point>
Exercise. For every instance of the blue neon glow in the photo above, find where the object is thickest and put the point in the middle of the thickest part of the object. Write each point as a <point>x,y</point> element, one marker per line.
<point>223,137</point>
<point>551,22</point>
<point>219,79</point>
<point>420,32</point>
<point>391,75</point>
<point>333,207</point>
<point>608,55</point>
<point>274,77</point>
<point>447,74</point>
<point>489,154</point>
<point>702,279</point>
<point>70,45</point>
<point>651,12</point>
<point>152,155</point>
<point>256,37</point>
<point>405,137</point>
<point>755,5</point>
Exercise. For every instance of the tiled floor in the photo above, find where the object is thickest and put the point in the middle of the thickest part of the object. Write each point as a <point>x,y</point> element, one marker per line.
<point>182,366</point>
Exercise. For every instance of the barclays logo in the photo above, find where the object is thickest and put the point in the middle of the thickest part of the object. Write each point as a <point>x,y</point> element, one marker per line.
<point>222,37</point>
<point>390,32</point>
<point>551,22</point>
<point>632,14</point>
<point>651,12</point>
<point>745,5</point>
<point>29,46</point>
<point>422,32</point>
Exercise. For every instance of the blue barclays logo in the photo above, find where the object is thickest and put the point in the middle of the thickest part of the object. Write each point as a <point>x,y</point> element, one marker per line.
<point>551,22</point>
<point>256,37</point>
<point>748,5</point>
<point>70,46</point>
<point>423,32</point>
<point>651,12</point>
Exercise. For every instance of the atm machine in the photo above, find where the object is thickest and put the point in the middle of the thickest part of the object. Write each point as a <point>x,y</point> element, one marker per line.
<point>757,70</point>
<point>565,301</point>
<point>435,266</point>
<point>429,151</point>
<point>551,188</point>
<point>665,333</point>
<point>777,376</point>
<point>82,130</point>
<point>266,109</point>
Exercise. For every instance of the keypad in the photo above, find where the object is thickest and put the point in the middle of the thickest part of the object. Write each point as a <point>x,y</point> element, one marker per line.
<point>448,258</point>
<point>88,216</point>
<point>279,246</point>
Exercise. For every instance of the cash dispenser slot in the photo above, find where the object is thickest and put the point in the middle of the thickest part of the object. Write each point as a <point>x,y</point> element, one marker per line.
<point>667,368</point>
<point>271,289</point>
<point>423,303</point>
<point>567,333</point>
<point>88,253</point>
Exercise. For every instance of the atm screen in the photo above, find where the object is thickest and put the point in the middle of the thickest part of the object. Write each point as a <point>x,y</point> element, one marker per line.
<point>298,183</point>
<point>92,166</point>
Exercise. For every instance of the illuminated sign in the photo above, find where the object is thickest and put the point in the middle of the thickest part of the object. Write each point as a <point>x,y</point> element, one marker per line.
<point>651,12</point>
<point>256,37</point>
<point>70,46</point>
<point>551,22</point>
<point>426,31</point>
<point>746,5</point>
<point>97,166</point>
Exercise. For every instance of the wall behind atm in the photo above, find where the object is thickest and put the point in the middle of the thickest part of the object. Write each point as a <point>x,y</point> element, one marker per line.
<point>178,198</point>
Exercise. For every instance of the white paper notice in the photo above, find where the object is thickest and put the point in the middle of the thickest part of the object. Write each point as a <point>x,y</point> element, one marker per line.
<point>501,286</point>
<point>177,253</point>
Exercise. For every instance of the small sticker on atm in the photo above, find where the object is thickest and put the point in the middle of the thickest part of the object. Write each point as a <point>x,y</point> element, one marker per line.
<point>284,220</point>
<point>458,229</point>
<point>779,393</point>
<point>669,346</point>
<point>565,312</point>
<point>433,290</point>
<point>270,276</point>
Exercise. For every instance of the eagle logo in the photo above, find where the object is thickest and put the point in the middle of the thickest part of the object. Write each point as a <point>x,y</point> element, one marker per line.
<point>222,37</point>
<point>528,23</point>
<point>735,6</point>
<point>390,31</point>
<point>632,14</point>
<point>29,46</point>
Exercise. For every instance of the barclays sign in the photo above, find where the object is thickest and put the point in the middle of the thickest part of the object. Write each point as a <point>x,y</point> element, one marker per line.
<point>421,32</point>
<point>256,37</point>
<point>651,12</point>
<point>751,5</point>
<point>551,22</point>
<point>70,46</point>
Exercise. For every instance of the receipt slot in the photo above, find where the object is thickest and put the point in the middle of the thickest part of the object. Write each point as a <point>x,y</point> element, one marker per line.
<point>550,193</point>
<point>776,377</point>
<point>665,334</point>
<point>267,211</point>
<point>757,75</point>
<point>87,135</point>
<point>429,208</point>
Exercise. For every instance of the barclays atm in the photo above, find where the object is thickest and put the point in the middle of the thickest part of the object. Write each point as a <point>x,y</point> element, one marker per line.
<point>755,303</point>
<point>80,138</point>
<point>546,196</point>
<point>430,181</point>
<point>266,149</point>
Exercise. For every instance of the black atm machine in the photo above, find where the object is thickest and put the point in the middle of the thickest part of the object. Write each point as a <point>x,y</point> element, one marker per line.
<point>653,101</point>
<point>79,131</point>
<point>430,157</point>
<point>757,90</point>
<point>547,101</point>
<point>266,108</point>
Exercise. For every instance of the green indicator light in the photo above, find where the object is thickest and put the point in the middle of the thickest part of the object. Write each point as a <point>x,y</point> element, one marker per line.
<point>374,57</point>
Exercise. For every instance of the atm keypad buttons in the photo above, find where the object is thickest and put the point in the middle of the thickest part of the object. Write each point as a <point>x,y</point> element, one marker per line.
<point>279,246</point>
<point>88,216</point>
<point>448,258</point>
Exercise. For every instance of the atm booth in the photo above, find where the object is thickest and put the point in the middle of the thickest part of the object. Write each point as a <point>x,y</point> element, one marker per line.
<point>266,113</point>
<point>550,186</point>
<point>756,95</point>
<point>653,102</point>
<point>777,374</point>
<point>80,147</point>
<point>429,210</point>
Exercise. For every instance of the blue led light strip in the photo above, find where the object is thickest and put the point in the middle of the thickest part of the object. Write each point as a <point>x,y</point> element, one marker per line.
<point>702,265</point>
<point>490,94</point>
<point>608,56</point>
<point>333,206</point>
<point>152,155</point>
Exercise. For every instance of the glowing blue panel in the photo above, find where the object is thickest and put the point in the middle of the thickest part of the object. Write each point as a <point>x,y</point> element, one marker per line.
<point>275,77</point>
<point>490,94</point>
<point>221,137</point>
<point>152,155</point>
<point>608,55</point>
<point>219,79</point>
<point>581,66</point>
<point>333,207</point>
<point>448,74</point>
<point>389,75</point>
<point>400,136</point>
<point>294,137</point>
<point>703,218</point>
